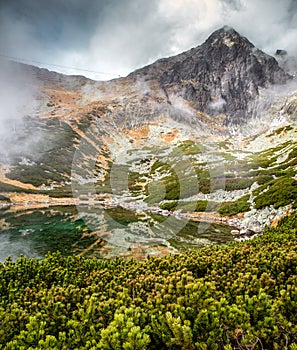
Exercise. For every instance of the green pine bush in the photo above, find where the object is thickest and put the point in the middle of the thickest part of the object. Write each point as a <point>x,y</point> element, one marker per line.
<point>235,296</point>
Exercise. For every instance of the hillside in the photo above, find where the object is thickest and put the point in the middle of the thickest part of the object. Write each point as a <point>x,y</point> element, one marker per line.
<point>166,201</point>
<point>209,134</point>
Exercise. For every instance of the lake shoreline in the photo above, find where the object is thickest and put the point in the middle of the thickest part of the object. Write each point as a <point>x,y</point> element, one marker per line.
<point>24,201</point>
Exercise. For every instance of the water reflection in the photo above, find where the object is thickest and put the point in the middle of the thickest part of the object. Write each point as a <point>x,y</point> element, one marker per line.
<point>101,233</point>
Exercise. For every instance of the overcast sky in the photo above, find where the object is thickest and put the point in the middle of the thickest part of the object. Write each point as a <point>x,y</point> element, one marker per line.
<point>118,36</point>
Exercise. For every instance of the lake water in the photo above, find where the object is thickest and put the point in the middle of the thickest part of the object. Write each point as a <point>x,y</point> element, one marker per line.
<point>96,232</point>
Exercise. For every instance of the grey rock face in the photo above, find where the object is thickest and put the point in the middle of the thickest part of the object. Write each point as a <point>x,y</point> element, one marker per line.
<point>222,76</point>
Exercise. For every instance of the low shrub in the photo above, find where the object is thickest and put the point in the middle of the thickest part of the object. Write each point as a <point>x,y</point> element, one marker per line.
<point>237,296</point>
<point>232,208</point>
<point>281,192</point>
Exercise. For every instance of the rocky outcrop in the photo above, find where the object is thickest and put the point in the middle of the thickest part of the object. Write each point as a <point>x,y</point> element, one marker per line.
<point>222,76</point>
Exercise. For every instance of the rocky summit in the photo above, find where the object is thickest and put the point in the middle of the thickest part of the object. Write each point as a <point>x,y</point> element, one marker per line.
<point>221,76</point>
<point>210,131</point>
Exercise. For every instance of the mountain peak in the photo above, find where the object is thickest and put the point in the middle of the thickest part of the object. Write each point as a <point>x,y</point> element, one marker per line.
<point>225,31</point>
<point>223,76</point>
<point>229,37</point>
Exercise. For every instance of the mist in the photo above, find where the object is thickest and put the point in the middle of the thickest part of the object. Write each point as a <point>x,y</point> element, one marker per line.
<point>17,101</point>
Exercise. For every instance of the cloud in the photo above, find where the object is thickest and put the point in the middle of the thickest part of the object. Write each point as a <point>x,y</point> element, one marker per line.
<point>180,106</point>
<point>118,36</point>
<point>17,100</point>
<point>218,105</point>
<point>129,36</point>
<point>266,22</point>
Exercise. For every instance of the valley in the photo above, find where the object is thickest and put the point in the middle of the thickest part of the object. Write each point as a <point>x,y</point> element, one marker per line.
<point>145,144</point>
<point>153,211</point>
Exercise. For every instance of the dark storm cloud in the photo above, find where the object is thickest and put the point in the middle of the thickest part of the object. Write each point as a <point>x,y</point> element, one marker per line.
<point>54,22</point>
<point>118,36</point>
<point>76,32</point>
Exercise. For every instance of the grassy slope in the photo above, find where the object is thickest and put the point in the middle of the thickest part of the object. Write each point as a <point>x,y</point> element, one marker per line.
<point>272,175</point>
<point>233,174</point>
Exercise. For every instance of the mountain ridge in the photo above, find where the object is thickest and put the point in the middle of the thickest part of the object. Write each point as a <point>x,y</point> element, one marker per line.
<point>221,76</point>
<point>95,133</point>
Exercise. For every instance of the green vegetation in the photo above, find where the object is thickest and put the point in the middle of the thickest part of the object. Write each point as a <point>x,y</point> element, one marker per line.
<point>4,199</point>
<point>85,123</point>
<point>257,163</point>
<point>265,158</point>
<point>160,167</point>
<point>232,208</point>
<point>4,187</point>
<point>174,188</point>
<point>122,216</point>
<point>280,130</point>
<point>190,206</point>
<point>239,174</point>
<point>187,148</point>
<point>237,296</point>
<point>119,178</point>
<point>232,184</point>
<point>169,183</point>
<point>171,206</point>
<point>293,154</point>
<point>134,180</point>
<point>279,192</point>
<point>115,181</point>
<point>178,183</point>
<point>203,177</point>
<point>224,145</point>
<point>225,208</point>
<point>59,192</point>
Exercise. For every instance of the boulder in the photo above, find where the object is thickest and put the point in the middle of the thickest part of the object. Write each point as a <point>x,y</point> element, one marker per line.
<point>247,232</point>
<point>255,226</point>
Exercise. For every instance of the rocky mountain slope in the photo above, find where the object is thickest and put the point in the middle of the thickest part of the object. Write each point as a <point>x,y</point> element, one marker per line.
<point>222,76</point>
<point>212,130</point>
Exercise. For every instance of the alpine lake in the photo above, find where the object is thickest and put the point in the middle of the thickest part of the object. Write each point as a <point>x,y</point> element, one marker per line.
<point>102,233</point>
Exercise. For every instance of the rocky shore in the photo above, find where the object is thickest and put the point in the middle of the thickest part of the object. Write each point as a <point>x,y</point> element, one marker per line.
<point>245,225</point>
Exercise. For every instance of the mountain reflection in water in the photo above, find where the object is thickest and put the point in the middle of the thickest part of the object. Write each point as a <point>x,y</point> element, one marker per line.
<point>101,233</point>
